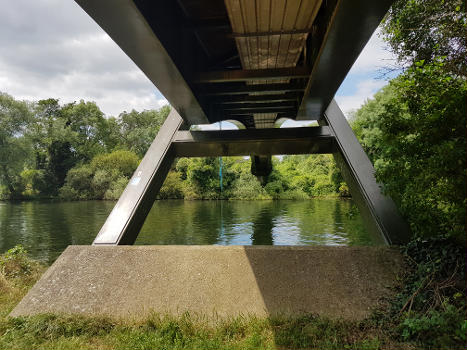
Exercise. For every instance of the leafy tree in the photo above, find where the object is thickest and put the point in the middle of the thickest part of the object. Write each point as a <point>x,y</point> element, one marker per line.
<point>414,131</point>
<point>88,126</point>
<point>138,129</point>
<point>425,30</point>
<point>15,150</point>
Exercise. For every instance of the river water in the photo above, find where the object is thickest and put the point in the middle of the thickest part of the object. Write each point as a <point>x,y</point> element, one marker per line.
<point>45,229</point>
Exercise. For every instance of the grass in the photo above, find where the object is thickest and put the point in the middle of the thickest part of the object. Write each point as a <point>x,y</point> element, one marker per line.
<point>19,273</point>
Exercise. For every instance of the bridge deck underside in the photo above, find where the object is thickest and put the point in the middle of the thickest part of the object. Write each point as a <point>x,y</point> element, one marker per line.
<point>253,61</point>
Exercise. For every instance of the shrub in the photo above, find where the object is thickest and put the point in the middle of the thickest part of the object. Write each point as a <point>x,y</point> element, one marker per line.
<point>116,188</point>
<point>124,162</point>
<point>78,184</point>
<point>172,187</point>
<point>15,262</point>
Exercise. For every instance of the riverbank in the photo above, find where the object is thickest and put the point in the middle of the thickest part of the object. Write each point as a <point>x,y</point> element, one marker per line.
<point>392,326</point>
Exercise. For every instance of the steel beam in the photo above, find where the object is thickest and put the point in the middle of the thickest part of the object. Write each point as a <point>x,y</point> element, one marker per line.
<point>279,32</point>
<point>127,217</point>
<point>240,99</point>
<point>345,37</point>
<point>125,24</point>
<point>242,111</point>
<point>246,89</point>
<point>379,211</point>
<point>256,105</point>
<point>253,142</point>
<point>251,75</point>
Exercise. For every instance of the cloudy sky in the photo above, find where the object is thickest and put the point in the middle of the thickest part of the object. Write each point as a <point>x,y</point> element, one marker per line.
<point>52,48</point>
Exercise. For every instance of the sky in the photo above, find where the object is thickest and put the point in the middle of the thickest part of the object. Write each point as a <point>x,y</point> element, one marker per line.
<point>53,49</point>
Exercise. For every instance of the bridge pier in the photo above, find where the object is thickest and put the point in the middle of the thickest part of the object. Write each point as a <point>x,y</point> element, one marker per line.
<point>132,282</point>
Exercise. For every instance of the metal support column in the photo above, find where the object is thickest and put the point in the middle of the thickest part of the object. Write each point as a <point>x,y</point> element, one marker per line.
<point>379,211</point>
<point>127,217</point>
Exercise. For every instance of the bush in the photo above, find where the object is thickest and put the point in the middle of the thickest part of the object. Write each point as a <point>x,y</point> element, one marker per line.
<point>104,178</point>
<point>116,188</point>
<point>430,306</point>
<point>123,162</point>
<point>247,187</point>
<point>15,262</point>
<point>78,184</point>
<point>172,187</point>
<point>440,329</point>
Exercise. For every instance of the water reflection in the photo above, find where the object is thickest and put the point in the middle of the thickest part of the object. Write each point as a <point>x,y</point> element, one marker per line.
<point>46,229</point>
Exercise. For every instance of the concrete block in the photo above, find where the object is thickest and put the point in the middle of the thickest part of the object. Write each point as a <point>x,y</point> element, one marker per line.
<point>214,281</point>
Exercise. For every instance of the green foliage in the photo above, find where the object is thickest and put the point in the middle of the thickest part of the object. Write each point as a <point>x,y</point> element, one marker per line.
<point>105,177</point>
<point>414,131</point>
<point>425,30</point>
<point>44,140</point>
<point>438,329</point>
<point>172,187</point>
<point>15,150</point>
<point>116,188</point>
<point>78,184</point>
<point>124,162</point>
<point>429,307</point>
<point>15,262</point>
<point>293,177</point>
<point>138,129</point>
<point>246,186</point>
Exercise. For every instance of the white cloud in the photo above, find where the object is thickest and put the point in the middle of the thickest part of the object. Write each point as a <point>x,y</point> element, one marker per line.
<point>53,49</point>
<point>374,56</point>
<point>162,102</point>
<point>365,89</point>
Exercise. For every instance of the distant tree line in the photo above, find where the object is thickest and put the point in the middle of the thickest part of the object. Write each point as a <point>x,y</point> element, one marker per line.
<point>73,152</point>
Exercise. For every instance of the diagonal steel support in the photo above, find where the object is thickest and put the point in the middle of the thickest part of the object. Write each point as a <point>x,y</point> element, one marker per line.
<point>127,217</point>
<point>379,211</point>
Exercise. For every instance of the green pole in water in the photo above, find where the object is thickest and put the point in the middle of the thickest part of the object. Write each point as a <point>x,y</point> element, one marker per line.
<point>220,164</point>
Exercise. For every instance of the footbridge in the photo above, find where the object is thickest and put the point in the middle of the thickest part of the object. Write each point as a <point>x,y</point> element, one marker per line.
<point>255,63</point>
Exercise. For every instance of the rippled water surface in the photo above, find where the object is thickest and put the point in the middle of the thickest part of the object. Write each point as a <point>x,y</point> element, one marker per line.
<point>46,229</point>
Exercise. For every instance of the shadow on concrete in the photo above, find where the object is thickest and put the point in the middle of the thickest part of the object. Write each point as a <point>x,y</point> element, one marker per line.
<point>341,282</point>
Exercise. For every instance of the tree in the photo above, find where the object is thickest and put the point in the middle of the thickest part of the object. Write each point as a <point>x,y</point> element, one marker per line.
<point>414,131</point>
<point>138,129</point>
<point>426,30</point>
<point>88,126</point>
<point>15,150</point>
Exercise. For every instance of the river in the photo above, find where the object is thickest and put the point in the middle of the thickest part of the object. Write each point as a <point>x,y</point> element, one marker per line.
<point>45,229</point>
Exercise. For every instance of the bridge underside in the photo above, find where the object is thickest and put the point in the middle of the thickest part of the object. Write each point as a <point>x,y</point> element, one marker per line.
<point>253,62</point>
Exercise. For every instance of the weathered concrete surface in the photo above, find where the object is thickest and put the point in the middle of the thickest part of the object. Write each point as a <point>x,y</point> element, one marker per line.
<point>133,281</point>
